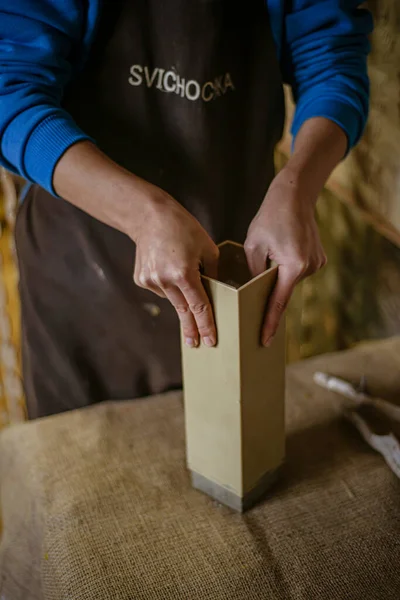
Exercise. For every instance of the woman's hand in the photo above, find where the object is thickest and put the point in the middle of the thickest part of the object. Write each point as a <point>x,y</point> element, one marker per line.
<point>285,231</point>
<point>171,246</point>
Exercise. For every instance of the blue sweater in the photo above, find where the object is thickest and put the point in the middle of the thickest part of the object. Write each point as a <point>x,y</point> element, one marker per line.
<point>322,46</point>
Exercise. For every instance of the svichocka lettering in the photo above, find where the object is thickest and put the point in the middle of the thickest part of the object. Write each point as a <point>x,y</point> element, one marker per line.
<point>136,75</point>
<point>150,78</point>
<point>219,86</point>
<point>180,86</point>
<point>160,79</point>
<point>207,91</point>
<point>228,83</point>
<point>171,82</point>
<point>192,90</point>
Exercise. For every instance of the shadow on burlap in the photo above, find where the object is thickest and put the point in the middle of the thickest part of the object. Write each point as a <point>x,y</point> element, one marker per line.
<point>97,504</point>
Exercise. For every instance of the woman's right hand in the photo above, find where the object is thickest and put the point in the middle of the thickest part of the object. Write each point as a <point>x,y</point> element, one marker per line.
<point>171,243</point>
<point>171,247</point>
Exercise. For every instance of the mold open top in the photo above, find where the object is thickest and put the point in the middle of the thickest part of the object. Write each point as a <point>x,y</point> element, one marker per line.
<point>233,269</point>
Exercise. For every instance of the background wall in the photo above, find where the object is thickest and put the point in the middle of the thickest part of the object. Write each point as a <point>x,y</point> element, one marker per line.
<point>371,175</point>
<point>12,404</point>
<point>357,296</point>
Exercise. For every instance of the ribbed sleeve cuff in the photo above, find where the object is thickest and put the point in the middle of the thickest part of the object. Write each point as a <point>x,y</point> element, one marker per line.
<point>46,145</point>
<point>343,114</point>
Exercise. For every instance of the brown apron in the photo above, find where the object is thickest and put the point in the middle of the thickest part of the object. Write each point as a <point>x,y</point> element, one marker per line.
<point>188,95</point>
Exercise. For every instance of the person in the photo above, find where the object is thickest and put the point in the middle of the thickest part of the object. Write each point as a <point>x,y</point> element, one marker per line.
<point>146,131</point>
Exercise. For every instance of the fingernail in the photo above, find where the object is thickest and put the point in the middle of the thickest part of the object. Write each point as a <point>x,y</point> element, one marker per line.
<point>191,342</point>
<point>208,341</point>
<point>267,343</point>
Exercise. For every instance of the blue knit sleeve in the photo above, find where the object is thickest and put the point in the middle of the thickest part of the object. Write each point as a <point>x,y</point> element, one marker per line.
<point>38,42</point>
<point>324,58</point>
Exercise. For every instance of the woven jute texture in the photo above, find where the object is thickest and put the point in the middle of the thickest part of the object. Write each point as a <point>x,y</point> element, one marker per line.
<point>97,504</point>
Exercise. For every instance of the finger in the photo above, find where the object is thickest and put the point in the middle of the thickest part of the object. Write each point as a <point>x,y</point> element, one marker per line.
<point>201,310</point>
<point>277,304</point>
<point>188,323</point>
<point>256,259</point>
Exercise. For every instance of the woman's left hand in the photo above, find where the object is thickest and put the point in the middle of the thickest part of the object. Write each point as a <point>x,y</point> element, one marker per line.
<point>285,231</point>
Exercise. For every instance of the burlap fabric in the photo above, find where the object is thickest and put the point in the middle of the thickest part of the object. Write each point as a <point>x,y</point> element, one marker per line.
<point>97,504</point>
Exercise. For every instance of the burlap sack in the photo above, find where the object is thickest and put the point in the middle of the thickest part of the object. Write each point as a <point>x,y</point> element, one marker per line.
<point>97,504</point>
